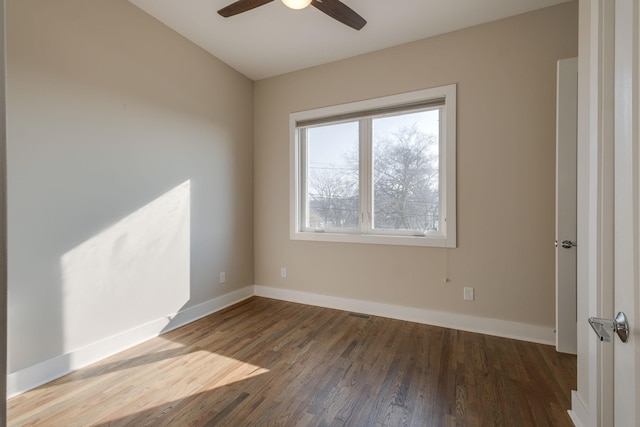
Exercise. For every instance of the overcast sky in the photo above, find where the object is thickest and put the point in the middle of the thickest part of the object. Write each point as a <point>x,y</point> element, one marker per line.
<point>328,144</point>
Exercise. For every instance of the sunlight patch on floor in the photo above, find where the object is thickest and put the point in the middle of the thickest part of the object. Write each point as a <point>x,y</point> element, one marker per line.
<point>128,384</point>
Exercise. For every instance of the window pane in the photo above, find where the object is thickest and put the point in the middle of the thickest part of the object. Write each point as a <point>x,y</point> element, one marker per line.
<point>406,172</point>
<point>332,190</point>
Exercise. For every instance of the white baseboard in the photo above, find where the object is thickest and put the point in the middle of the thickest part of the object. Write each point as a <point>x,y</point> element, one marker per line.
<point>48,370</point>
<point>579,413</point>
<point>463,322</point>
<point>206,308</point>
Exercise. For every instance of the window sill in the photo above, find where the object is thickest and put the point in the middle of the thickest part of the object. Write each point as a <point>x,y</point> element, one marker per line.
<point>375,239</point>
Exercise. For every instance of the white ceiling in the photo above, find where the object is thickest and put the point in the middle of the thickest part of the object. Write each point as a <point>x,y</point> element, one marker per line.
<point>273,39</point>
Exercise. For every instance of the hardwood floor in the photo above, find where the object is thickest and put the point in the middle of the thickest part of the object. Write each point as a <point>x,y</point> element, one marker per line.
<point>268,362</point>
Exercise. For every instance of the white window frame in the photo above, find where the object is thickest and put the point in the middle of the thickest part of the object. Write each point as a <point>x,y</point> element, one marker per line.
<point>446,235</point>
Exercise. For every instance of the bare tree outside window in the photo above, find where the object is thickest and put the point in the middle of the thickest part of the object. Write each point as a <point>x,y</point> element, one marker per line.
<point>333,198</point>
<point>405,185</point>
<point>333,176</point>
<point>405,181</point>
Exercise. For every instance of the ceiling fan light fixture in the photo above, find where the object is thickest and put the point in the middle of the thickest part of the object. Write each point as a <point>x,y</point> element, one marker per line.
<point>297,4</point>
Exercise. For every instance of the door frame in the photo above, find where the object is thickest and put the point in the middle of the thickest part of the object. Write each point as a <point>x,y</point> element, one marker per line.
<point>591,405</point>
<point>609,67</point>
<point>3,216</point>
<point>627,209</point>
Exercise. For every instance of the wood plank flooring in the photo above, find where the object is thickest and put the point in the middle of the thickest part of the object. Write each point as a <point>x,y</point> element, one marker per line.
<point>268,362</point>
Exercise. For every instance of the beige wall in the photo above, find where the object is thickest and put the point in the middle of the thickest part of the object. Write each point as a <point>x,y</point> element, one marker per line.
<point>129,177</point>
<point>506,76</point>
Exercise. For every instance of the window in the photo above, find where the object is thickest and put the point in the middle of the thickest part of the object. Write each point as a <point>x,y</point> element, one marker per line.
<point>377,171</point>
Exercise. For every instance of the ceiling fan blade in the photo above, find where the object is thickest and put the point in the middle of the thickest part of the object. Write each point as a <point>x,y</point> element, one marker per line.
<point>340,11</point>
<point>241,6</point>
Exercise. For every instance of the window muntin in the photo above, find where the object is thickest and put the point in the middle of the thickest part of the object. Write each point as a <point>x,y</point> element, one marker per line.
<point>379,171</point>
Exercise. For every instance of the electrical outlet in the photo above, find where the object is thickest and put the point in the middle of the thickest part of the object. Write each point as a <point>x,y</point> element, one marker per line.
<point>223,277</point>
<point>283,272</point>
<point>468,294</point>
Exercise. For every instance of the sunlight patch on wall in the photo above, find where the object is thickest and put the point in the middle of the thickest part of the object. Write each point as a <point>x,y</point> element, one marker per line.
<point>130,274</point>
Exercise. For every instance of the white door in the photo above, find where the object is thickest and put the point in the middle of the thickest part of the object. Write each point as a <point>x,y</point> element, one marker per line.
<point>608,374</point>
<point>566,187</point>
<point>626,394</point>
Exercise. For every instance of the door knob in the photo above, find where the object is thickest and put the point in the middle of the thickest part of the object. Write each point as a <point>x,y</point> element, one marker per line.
<point>602,327</point>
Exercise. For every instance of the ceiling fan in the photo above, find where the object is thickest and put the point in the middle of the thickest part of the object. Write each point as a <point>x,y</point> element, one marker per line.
<point>334,8</point>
